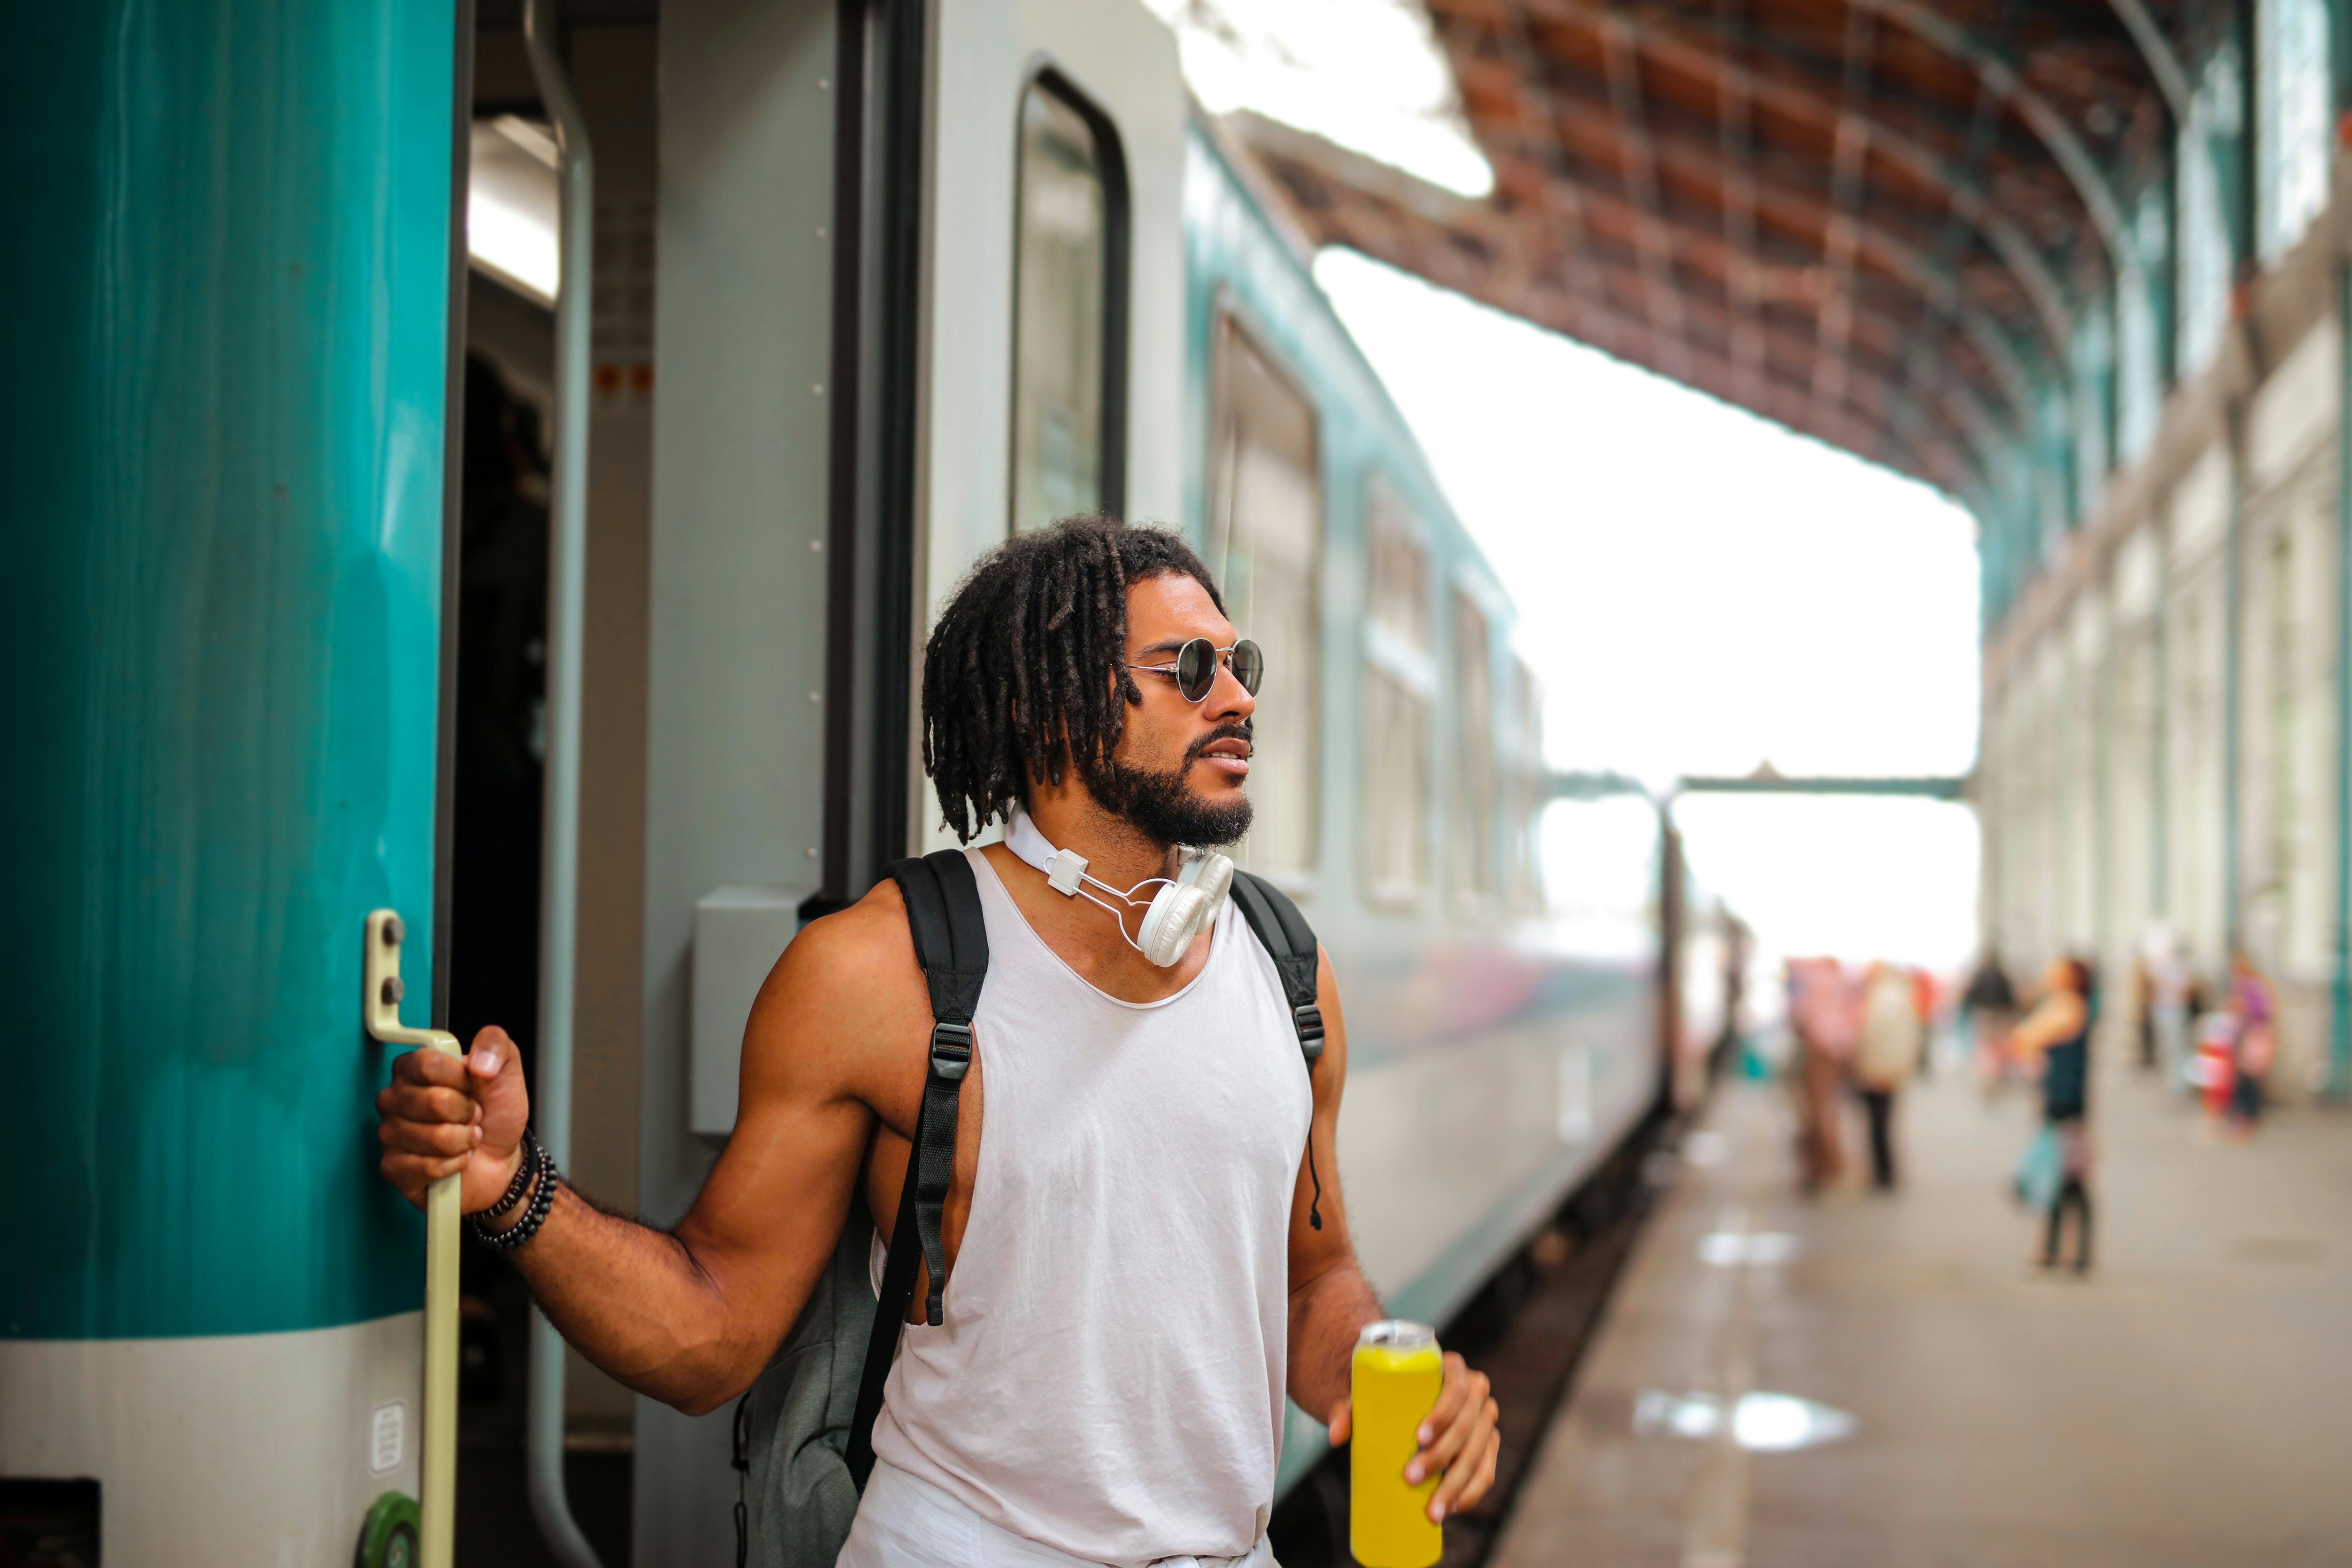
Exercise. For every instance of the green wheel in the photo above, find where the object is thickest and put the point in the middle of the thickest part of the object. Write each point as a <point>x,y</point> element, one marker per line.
<point>388,1537</point>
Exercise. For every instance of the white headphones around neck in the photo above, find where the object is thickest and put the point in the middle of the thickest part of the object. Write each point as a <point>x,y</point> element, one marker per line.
<point>1181,910</point>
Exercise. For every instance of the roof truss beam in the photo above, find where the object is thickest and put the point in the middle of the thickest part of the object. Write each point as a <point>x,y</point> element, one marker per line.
<point>1600,297</point>
<point>1641,179</point>
<point>2006,80</point>
<point>1735,138</point>
<point>2163,61</point>
<point>1797,208</point>
<point>1696,53</point>
<point>1842,238</point>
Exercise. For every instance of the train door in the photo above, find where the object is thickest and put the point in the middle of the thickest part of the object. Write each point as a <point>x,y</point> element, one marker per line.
<point>230,376</point>
<point>1055,303</point>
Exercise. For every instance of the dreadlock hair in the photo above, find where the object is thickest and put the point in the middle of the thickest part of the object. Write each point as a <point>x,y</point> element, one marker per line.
<point>1026,674</point>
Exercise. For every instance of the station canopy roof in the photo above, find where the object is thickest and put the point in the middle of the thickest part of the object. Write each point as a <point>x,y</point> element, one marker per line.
<point>1873,221</point>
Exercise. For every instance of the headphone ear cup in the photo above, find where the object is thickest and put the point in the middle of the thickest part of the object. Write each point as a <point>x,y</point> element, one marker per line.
<point>1177,913</point>
<point>1212,873</point>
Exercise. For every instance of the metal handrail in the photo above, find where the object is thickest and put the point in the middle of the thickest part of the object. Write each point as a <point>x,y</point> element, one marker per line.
<point>566,616</point>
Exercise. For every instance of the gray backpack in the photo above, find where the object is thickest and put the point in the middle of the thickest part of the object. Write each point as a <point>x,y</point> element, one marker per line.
<point>804,1431</point>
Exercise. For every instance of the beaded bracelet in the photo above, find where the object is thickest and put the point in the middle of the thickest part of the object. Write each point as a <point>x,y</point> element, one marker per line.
<point>524,1169</point>
<point>543,1199</point>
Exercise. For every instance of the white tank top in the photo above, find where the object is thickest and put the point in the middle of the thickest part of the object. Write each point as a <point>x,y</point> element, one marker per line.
<point>1108,1376</point>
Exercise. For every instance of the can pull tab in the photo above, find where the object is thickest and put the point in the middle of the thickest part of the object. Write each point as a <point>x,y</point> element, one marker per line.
<point>438,1488</point>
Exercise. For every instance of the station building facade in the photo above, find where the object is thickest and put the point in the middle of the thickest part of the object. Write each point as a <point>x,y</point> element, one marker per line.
<point>2167,744</point>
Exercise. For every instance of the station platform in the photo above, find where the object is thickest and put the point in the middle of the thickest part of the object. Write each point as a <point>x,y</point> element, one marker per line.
<point>1888,1380</point>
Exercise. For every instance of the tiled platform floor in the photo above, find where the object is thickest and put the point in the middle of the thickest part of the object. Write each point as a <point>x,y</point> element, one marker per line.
<point>2190,1402</point>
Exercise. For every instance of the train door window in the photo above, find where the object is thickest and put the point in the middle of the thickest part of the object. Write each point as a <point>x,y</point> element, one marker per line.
<point>1471,844</point>
<point>1266,548</point>
<point>1069,310</point>
<point>1400,679</point>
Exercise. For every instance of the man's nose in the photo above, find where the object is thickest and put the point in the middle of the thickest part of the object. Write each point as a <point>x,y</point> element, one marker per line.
<point>1228,699</point>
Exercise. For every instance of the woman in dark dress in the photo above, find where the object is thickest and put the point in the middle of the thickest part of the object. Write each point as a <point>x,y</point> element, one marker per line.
<point>2058,1031</point>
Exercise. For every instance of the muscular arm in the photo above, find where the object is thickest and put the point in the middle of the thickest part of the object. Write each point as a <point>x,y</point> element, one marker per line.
<point>1330,1303</point>
<point>690,1315</point>
<point>1330,1299</point>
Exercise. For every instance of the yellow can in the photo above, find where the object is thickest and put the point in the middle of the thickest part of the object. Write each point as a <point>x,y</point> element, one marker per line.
<point>1397,1374</point>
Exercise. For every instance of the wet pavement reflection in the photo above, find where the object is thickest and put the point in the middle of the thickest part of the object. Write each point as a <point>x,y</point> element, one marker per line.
<point>1859,1379</point>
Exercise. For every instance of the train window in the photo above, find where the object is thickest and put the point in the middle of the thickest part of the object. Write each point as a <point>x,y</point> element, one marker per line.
<point>1530,788</point>
<point>1069,310</point>
<point>1400,679</point>
<point>1471,843</point>
<point>1265,547</point>
<point>1398,599</point>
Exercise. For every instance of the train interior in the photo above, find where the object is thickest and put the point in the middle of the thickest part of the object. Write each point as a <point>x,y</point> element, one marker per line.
<point>498,726</point>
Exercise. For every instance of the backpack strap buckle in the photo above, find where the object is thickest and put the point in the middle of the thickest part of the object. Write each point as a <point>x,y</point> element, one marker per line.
<point>952,1050</point>
<point>1308,1021</point>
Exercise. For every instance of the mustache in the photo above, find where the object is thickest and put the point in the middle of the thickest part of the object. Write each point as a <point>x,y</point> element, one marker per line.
<point>1245,731</point>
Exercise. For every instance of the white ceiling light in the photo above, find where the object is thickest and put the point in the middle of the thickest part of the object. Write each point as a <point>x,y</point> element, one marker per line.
<point>511,205</point>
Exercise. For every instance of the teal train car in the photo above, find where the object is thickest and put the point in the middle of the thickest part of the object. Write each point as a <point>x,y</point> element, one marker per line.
<point>501,473</point>
<point>232,251</point>
<point>1503,1039</point>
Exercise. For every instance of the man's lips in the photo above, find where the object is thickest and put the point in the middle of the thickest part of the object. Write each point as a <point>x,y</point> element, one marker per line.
<point>1228,755</point>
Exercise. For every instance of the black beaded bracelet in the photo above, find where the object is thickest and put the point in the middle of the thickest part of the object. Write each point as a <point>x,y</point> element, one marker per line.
<point>534,1212</point>
<point>524,1170</point>
<point>543,1199</point>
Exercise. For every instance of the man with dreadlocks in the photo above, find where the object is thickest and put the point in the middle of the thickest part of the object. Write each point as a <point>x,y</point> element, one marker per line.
<point>1138,1265</point>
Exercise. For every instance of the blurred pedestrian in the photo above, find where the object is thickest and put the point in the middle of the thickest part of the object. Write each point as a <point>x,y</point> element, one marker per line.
<point>2214,1068</point>
<point>2173,997</point>
<point>1887,1049</point>
<point>1924,997</point>
<point>1821,1014</point>
<point>2057,1034</point>
<point>1989,1005</point>
<point>2254,1008</point>
<point>2144,1007</point>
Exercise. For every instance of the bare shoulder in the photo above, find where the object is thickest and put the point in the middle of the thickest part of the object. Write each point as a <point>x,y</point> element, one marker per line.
<point>852,947</point>
<point>845,994</point>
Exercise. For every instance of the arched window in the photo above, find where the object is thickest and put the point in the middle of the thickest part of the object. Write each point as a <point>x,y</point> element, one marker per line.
<point>2291,134</point>
<point>2139,366</point>
<point>2214,120</point>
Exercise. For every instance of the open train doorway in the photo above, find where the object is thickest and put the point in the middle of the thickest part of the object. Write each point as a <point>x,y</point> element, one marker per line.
<point>497,729</point>
<point>498,773</point>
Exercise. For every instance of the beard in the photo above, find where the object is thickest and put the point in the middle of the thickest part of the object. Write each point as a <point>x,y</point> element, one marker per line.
<point>1161,806</point>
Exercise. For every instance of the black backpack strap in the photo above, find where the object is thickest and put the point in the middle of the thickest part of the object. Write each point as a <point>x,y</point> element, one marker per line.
<point>1290,940</point>
<point>951,935</point>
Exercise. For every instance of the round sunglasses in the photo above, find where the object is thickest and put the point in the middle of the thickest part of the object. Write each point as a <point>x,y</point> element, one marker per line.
<point>1195,670</point>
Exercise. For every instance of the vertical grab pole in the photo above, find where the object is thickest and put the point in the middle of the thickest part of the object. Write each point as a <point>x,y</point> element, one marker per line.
<point>559,887</point>
<point>437,1455</point>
